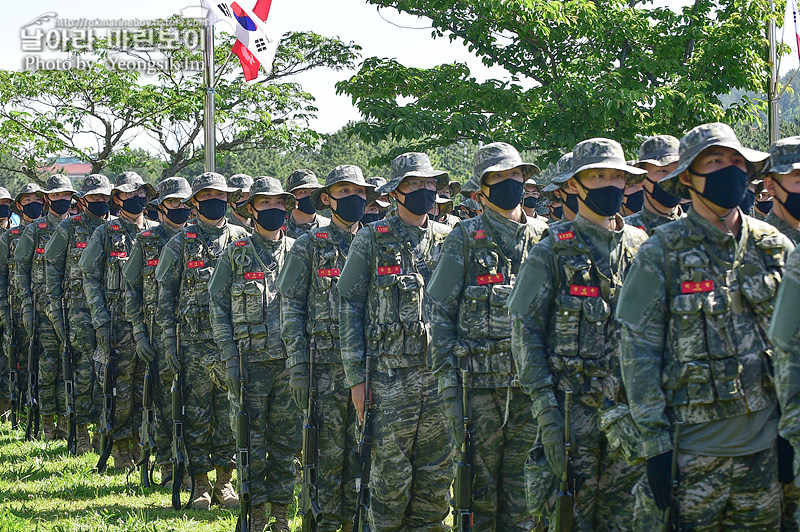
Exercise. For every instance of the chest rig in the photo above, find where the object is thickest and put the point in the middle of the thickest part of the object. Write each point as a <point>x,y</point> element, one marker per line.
<point>14,235</point>
<point>43,231</point>
<point>255,302</point>
<point>151,242</point>
<point>322,325</point>
<point>117,245</point>
<point>718,362</point>
<point>80,230</point>
<point>397,310</point>
<point>583,333</point>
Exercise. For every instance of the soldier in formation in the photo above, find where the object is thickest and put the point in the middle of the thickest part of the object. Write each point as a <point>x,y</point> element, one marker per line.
<point>302,218</point>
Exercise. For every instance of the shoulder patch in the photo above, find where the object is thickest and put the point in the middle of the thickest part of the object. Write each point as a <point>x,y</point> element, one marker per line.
<point>240,243</point>
<point>147,233</point>
<point>114,227</point>
<point>566,235</point>
<point>77,217</point>
<point>191,235</point>
<point>42,225</point>
<point>322,234</point>
<point>382,228</point>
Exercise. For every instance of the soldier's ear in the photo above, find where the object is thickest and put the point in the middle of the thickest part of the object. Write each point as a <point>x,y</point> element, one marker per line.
<point>685,178</point>
<point>572,186</point>
<point>325,198</point>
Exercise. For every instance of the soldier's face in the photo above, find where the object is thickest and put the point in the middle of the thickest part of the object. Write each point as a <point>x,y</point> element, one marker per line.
<point>268,202</point>
<point>790,182</point>
<point>656,173</point>
<point>710,160</point>
<point>596,178</point>
<point>300,193</point>
<point>172,203</point>
<point>30,198</point>
<point>493,178</point>
<point>59,196</point>
<point>342,190</point>
<point>372,208</point>
<point>243,198</point>
<point>531,190</point>
<point>92,198</point>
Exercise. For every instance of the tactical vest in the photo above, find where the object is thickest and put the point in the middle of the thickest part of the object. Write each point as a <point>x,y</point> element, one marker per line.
<point>255,302</point>
<point>322,324</point>
<point>397,310</point>
<point>583,332</point>
<point>14,235</point>
<point>711,373</point>
<point>43,231</point>
<point>151,242</point>
<point>484,323</point>
<point>198,262</point>
<point>117,246</point>
<point>81,228</point>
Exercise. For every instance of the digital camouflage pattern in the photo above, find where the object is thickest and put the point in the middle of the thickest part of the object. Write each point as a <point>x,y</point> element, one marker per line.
<point>471,328</point>
<point>792,233</point>
<point>659,150</point>
<point>385,314</point>
<point>564,337</point>
<point>647,221</point>
<point>302,179</point>
<point>596,153</point>
<point>413,164</point>
<point>310,308</point>
<point>246,320</point>
<point>693,294</point>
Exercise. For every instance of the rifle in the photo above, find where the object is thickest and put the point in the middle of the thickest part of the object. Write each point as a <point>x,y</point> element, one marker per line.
<point>462,484</point>
<point>180,458</point>
<point>243,451</point>
<point>32,427</point>
<point>671,518</point>
<point>566,489</point>
<point>109,402</point>
<point>364,450</point>
<point>69,386</point>
<point>146,440</point>
<point>14,379</point>
<point>308,507</point>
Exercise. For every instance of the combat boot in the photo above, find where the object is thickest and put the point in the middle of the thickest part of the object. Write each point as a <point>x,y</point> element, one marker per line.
<point>258,517</point>
<point>5,406</point>
<point>224,493</point>
<point>122,455</point>
<point>84,444</point>
<point>347,526</point>
<point>62,430</point>
<point>281,522</point>
<point>48,427</point>
<point>202,492</point>
<point>166,476</point>
<point>96,440</point>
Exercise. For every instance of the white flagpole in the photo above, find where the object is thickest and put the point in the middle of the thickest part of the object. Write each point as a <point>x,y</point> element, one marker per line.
<point>774,131</point>
<point>209,130</point>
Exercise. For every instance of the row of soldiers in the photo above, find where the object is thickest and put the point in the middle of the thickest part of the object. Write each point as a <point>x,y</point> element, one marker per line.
<point>594,373</point>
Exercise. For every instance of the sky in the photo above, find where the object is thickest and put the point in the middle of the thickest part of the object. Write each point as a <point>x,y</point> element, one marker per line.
<point>377,32</point>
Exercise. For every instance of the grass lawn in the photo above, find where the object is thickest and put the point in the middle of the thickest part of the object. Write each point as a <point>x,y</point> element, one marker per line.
<point>43,488</point>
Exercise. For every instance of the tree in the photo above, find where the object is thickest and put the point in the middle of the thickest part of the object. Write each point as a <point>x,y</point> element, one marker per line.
<point>576,69</point>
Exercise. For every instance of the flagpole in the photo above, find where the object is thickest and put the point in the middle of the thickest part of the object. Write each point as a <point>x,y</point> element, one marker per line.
<point>209,130</point>
<point>774,131</point>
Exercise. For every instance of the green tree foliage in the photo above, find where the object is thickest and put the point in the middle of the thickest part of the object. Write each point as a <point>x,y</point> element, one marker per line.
<point>576,69</point>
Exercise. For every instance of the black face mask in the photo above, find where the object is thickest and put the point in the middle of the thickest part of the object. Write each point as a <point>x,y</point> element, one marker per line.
<point>530,202</point>
<point>32,210</point>
<point>663,197</point>
<point>764,206</point>
<point>304,205</point>
<point>604,201</point>
<point>98,208</point>
<point>212,209</point>
<point>572,203</point>
<point>634,202</point>
<point>506,194</point>
<point>792,203</point>
<point>372,217</point>
<point>271,219</point>
<point>419,202</point>
<point>134,205</point>
<point>350,208</point>
<point>60,206</point>
<point>727,188</point>
<point>5,211</point>
<point>558,212</point>
<point>178,216</point>
<point>152,214</point>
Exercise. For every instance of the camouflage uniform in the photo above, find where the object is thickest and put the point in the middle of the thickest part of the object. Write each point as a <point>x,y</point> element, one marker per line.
<point>141,301</point>
<point>184,269</point>
<point>303,179</point>
<point>246,320</point>
<point>310,306</point>
<point>64,284</point>
<point>564,337</point>
<point>471,330</point>
<point>30,272</point>
<point>241,182</point>
<point>10,292</point>
<point>694,312</point>
<point>4,365</point>
<point>385,314</point>
<point>104,285</point>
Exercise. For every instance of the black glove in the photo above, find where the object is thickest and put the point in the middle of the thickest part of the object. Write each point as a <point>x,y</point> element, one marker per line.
<point>455,415</point>
<point>232,375</point>
<point>299,382</point>
<point>551,424</point>
<point>659,476</point>
<point>171,354</point>
<point>27,321</point>
<point>785,461</point>
<point>143,347</point>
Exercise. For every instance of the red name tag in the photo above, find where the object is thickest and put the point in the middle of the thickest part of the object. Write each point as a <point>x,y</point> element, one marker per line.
<point>119,254</point>
<point>690,287</point>
<point>195,264</point>
<point>480,234</point>
<point>81,245</point>
<point>330,272</point>
<point>389,270</point>
<point>152,262</point>
<point>114,227</point>
<point>253,275</point>
<point>569,235</point>
<point>191,235</point>
<point>42,225</point>
<point>583,291</point>
<point>77,217</point>
<point>15,231</point>
<point>382,228</point>
<point>40,251</point>
<point>490,279</point>
<point>240,243</point>
<point>322,235</point>
<point>147,233</point>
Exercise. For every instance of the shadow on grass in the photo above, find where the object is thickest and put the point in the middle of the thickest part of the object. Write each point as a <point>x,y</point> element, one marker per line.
<point>116,512</point>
